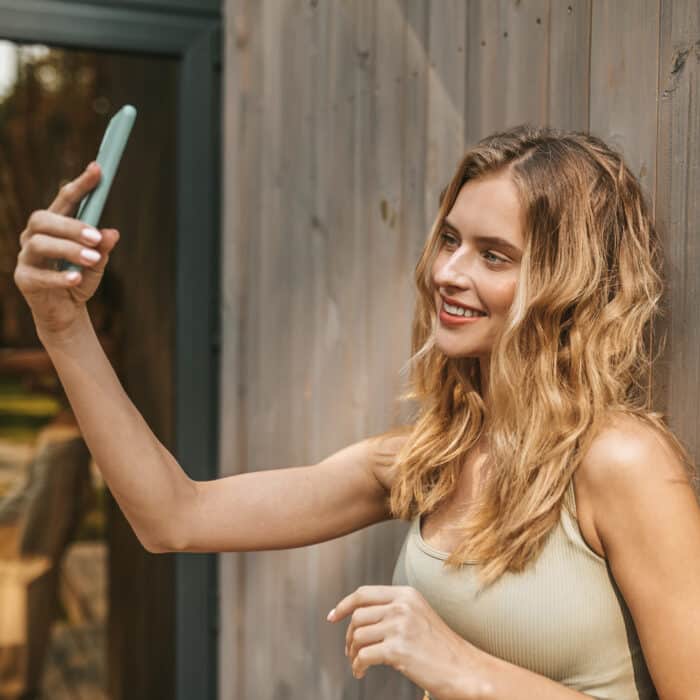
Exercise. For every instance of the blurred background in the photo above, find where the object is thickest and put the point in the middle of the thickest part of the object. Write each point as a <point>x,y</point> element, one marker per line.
<point>57,519</point>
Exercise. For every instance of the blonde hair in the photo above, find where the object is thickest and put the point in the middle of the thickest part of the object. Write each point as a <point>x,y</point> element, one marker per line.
<point>576,345</point>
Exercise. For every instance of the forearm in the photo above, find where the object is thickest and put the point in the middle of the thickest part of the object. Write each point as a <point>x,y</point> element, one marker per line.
<point>149,485</point>
<point>502,680</point>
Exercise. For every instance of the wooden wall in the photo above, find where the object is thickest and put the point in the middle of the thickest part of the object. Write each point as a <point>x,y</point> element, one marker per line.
<point>343,121</point>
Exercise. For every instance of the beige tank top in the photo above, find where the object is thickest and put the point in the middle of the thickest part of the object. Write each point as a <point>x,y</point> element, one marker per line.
<point>563,617</point>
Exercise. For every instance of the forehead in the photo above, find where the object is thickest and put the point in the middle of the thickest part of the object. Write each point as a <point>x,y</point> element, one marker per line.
<point>488,206</point>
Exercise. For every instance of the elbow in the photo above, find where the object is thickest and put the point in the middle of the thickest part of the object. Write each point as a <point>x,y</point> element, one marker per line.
<point>165,544</point>
<point>173,536</point>
<point>155,548</point>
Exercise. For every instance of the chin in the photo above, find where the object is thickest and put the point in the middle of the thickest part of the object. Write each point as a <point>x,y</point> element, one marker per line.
<point>454,350</point>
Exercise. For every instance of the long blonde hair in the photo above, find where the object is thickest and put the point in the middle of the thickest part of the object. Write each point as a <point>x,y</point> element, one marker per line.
<point>576,345</point>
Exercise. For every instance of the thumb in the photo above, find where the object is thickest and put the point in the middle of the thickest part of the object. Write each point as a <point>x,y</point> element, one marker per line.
<point>70,194</point>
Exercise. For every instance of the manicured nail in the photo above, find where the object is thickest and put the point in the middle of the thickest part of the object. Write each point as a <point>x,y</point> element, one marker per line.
<point>91,235</point>
<point>330,614</point>
<point>72,275</point>
<point>90,254</point>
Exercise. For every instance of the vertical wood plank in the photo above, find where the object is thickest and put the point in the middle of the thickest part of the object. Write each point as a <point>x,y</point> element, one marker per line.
<point>623,107</point>
<point>339,379</point>
<point>239,176</point>
<point>447,80</point>
<point>265,332</point>
<point>413,219</point>
<point>677,372</point>
<point>508,65</point>
<point>569,36</point>
<point>384,307</point>
<point>295,642</point>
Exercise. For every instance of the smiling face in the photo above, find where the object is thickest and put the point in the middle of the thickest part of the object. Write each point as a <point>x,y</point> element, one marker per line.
<point>475,269</point>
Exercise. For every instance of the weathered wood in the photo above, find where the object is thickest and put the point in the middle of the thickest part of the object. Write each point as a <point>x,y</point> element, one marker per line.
<point>240,223</point>
<point>677,372</point>
<point>338,324</point>
<point>622,106</point>
<point>344,122</point>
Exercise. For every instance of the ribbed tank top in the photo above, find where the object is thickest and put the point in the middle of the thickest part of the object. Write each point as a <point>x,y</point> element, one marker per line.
<point>563,617</point>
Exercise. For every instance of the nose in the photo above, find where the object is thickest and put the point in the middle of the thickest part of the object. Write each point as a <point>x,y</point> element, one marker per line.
<point>454,271</point>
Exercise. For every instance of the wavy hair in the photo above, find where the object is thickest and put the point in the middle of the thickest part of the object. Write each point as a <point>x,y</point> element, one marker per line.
<point>576,345</point>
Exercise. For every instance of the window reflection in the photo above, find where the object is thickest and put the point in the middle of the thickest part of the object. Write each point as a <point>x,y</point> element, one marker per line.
<point>54,107</point>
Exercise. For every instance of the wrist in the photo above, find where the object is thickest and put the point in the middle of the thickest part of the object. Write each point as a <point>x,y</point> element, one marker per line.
<point>474,681</point>
<point>56,335</point>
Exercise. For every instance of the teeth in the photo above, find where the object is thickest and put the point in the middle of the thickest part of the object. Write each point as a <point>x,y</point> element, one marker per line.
<point>459,311</point>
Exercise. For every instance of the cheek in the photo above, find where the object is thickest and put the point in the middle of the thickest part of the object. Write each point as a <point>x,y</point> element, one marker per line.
<point>504,293</point>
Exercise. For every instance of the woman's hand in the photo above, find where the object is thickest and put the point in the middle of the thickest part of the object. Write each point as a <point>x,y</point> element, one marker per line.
<point>57,297</point>
<point>395,625</point>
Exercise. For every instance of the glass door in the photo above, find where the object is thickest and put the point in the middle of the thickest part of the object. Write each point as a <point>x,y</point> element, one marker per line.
<point>65,550</point>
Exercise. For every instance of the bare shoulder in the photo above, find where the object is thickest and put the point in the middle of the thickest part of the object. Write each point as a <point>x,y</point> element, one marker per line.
<point>384,449</point>
<point>628,447</point>
<point>627,455</point>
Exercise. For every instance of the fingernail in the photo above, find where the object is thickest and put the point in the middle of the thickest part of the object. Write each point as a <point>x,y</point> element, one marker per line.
<point>330,614</point>
<point>91,235</point>
<point>90,164</point>
<point>90,254</point>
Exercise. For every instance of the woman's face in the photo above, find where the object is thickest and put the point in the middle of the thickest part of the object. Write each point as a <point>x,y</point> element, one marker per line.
<point>474,268</point>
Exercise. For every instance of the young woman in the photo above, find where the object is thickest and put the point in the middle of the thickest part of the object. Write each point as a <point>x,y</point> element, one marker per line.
<point>554,547</point>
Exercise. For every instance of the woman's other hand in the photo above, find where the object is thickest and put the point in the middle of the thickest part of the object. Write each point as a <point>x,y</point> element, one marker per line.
<point>55,297</point>
<point>396,626</point>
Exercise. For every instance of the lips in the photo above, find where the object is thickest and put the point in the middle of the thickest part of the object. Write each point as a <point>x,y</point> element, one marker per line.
<point>456,302</point>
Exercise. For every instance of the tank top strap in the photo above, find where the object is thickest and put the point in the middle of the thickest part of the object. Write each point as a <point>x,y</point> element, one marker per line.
<point>570,524</point>
<point>570,499</point>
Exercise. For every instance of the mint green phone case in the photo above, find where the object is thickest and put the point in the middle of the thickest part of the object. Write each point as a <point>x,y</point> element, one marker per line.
<point>108,156</point>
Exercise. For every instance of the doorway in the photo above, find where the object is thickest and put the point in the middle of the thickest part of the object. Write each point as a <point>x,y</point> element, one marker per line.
<point>55,105</point>
<point>159,624</point>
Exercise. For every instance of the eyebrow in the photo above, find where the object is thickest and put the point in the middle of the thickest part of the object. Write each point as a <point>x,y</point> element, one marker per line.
<point>491,240</point>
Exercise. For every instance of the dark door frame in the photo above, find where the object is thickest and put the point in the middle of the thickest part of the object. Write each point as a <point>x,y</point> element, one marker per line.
<point>191,31</point>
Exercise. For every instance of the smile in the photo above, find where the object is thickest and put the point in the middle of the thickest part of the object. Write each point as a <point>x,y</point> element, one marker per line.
<point>457,316</point>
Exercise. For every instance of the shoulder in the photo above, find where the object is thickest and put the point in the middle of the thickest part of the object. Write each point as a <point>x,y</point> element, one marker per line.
<point>629,463</point>
<point>383,450</point>
<point>648,519</point>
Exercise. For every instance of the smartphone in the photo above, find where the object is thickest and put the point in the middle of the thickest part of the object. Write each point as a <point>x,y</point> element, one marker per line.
<point>108,156</point>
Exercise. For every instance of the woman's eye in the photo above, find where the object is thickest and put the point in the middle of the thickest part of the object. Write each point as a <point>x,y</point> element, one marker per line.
<point>495,258</point>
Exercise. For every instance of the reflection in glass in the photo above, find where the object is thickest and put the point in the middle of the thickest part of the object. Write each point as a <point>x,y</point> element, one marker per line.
<point>54,106</point>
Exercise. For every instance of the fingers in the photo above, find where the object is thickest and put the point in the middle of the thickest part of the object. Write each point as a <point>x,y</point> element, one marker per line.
<point>369,655</point>
<point>70,195</point>
<point>53,236</point>
<point>41,247</point>
<point>369,634</point>
<point>47,222</point>
<point>360,618</point>
<point>33,278</point>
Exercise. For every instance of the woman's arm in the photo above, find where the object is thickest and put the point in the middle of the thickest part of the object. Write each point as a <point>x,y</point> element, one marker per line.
<point>167,510</point>
<point>33,360</point>
<point>295,506</point>
<point>506,681</point>
<point>272,509</point>
<point>396,626</point>
<point>151,489</point>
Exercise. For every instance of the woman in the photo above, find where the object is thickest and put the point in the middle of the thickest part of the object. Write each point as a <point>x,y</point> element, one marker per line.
<point>531,413</point>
